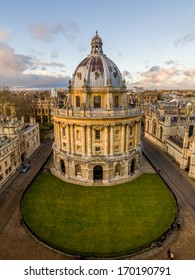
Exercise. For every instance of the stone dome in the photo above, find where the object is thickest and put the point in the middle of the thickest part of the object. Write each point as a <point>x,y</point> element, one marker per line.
<point>97,70</point>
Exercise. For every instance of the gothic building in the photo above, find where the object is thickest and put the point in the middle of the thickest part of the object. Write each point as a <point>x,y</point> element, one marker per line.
<point>172,128</point>
<point>18,141</point>
<point>97,133</point>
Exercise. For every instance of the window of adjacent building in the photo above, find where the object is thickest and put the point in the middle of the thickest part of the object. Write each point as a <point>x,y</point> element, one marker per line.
<point>97,101</point>
<point>78,101</point>
<point>154,128</point>
<point>97,134</point>
<point>116,101</point>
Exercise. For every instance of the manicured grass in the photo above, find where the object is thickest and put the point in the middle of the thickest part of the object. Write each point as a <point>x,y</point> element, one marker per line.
<point>98,221</point>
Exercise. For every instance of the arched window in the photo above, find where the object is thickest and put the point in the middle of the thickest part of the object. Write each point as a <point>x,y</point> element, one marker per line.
<point>97,101</point>
<point>161,133</point>
<point>154,128</point>
<point>77,170</point>
<point>132,167</point>
<point>97,173</point>
<point>148,125</point>
<point>117,170</point>
<point>62,166</point>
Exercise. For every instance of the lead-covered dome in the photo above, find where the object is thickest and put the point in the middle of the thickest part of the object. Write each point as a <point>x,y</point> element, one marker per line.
<point>97,70</point>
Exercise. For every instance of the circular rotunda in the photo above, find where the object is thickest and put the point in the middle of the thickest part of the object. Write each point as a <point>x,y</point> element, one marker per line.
<point>97,133</point>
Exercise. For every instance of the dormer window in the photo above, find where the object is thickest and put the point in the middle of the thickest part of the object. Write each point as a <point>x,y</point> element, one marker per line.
<point>79,75</point>
<point>115,74</point>
<point>97,75</point>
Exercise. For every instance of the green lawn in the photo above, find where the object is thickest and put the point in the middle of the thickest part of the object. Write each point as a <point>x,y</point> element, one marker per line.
<point>98,221</point>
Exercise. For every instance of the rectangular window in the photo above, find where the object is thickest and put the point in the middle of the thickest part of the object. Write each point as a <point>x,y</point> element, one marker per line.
<point>78,135</point>
<point>97,101</point>
<point>130,145</point>
<point>130,131</point>
<point>97,149</point>
<point>77,101</point>
<point>116,148</point>
<point>63,131</point>
<point>97,134</point>
<point>116,101</point>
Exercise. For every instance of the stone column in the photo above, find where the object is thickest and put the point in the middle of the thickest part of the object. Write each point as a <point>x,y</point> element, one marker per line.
<point>72,139</point>
<point>83,141</point>
<point>106,140</point>
<point>89,140</point>
<point>111,140</point>
<point>59,136</point>
<point>127,138</point>
<point>68,138</point>
<point>123,138</point>
<point>135,136</point>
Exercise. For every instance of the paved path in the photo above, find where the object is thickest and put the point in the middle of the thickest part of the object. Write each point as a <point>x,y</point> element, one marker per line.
<point>183,241</point>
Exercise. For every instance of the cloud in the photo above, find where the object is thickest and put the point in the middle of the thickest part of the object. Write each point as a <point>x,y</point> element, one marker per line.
<point>5,35</point>
<point>188,38</point>
<point>158,77</point>
<point>11,63</point>
<point>46,32</point>
<point>190,73</point>
<point>154,69</point>
<point>170,62</point>
<point>17,69</point>
<point>49,64</point>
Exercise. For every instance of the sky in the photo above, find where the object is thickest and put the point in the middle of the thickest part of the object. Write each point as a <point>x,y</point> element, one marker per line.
<point>151,41</point>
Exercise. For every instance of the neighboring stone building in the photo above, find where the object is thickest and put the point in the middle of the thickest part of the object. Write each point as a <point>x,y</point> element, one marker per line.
<point>17,142</point>
<point>171,126</point>
<point>44,103</point>
<point>97,134</point>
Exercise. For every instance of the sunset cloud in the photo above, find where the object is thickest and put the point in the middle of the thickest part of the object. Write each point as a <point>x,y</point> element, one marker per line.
<point>4,35</point>
<point>17,69</point>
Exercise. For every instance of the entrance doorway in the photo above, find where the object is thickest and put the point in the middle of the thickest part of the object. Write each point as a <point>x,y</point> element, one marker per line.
<point>97,173</point>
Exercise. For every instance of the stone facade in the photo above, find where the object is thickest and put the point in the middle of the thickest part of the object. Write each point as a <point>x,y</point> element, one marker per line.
<point>97,134</point>
<point>17,142</point>
<point>172,128</point>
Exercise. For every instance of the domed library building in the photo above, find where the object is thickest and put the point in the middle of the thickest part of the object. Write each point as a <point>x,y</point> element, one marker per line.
<point>97,132</point>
